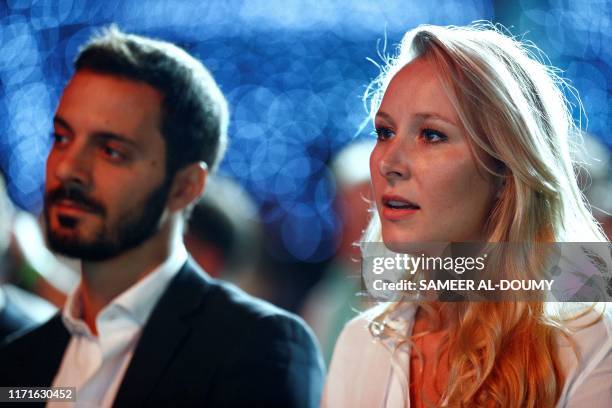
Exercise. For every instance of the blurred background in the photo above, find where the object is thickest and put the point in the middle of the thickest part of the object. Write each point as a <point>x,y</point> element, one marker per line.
<point>293,72</point>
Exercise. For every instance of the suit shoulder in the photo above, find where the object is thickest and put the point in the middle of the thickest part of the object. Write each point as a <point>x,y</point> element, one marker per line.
<point>32,336</point>
<point>244,307</point>
<point>229,308</point>
<point>34,355</point>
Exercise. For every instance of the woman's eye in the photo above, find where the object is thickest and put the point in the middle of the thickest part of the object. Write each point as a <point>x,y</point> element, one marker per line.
<point>433,136</point>
<point>383,133</point>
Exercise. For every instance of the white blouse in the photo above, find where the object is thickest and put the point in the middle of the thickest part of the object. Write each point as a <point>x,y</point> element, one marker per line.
<point>363,374</point>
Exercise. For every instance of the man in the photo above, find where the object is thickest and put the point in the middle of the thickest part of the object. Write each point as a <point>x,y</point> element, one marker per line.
<point>136,131</point>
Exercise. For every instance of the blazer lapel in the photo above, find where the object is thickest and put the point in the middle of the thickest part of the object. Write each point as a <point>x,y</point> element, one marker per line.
<point>162,336</point>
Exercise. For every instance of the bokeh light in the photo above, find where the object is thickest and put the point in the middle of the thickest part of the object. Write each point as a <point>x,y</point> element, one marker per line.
<point>293,72</point>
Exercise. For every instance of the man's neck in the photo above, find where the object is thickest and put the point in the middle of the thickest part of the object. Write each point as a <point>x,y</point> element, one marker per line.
<point>103,281</point>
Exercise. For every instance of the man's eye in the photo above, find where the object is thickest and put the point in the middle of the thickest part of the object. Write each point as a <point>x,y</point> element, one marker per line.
<point>383,133</point>
<point>59,139</point>
<point>433,136</point>
<point>112,153</point>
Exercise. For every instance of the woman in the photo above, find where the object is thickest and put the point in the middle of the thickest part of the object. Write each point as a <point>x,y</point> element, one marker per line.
<point>473,145</point>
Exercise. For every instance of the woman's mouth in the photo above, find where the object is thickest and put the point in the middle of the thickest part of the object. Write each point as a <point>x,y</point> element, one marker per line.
<point>396,208</point>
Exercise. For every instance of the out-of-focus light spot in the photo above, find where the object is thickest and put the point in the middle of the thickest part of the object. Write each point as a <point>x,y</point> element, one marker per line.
<point>15,78</point>
<point>300,132</point>
<point>298,167</point>
<point>18,5</point>
<point>272,214</point>
<point>325,192</point>
<point>253,105</point>
<point>18,51</point>
<point>596,103</point>
<point>287,188</point>
<point>281,111</point>
<point>301,235</point>
<point>293,73</point>
<point>34,121</point>
<point>237,164</point>
<point>267,160</point>
<point>592,84</point>
<point>76,41</point>
<point>309,108</point>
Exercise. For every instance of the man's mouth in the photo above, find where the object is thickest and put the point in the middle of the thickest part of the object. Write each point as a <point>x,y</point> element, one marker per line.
<point>71,206</point>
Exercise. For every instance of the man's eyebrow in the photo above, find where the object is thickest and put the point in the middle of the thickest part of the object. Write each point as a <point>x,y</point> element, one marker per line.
<point>106,136</point>
<point>101,135</point>
<point>59,121</point>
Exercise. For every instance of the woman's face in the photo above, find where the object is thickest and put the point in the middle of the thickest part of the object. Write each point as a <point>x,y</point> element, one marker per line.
<point>426,182</point>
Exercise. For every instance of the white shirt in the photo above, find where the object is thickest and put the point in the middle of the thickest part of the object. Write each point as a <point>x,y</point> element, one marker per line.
<point>95,365</point>
<point>363,373</point>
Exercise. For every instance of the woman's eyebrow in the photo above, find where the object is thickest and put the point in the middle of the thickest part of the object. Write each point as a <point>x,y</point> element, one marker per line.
<point>435,116</point>
<point>381,115</point>
<point>384,116</point>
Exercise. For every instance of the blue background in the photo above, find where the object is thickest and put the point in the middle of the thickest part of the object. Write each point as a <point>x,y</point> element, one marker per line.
<point>293,73</point>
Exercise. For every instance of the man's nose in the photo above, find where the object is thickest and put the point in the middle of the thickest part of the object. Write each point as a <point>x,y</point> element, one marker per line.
<point>73,167</point>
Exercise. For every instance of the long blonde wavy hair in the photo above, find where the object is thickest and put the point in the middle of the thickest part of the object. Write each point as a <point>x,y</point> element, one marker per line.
<point>512,108</point>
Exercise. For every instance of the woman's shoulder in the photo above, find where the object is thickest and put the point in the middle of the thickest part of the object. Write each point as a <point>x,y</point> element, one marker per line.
<point>359,331</point>
<point>585,326</point>
<point>360,365</point>
<point>585,353</point>
<point>356,336</point>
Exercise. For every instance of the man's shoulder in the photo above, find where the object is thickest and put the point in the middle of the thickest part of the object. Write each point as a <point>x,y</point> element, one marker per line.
<point>33,354</point>
<point>248,351</point>
<point>234,331</point>
<point>33,336</point>
<point>230,307</point>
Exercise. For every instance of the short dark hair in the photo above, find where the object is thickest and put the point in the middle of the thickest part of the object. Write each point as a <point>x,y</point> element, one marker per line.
<point>194,111</point>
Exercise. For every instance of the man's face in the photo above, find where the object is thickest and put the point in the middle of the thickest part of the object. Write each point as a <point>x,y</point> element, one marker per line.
<point>106,188</point>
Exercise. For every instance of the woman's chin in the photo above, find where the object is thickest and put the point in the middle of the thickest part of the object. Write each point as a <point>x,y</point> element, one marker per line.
<point>412,245</point>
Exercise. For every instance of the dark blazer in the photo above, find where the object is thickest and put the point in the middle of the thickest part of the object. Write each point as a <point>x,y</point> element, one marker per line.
<point>12,319</point>
<point>207,343</point>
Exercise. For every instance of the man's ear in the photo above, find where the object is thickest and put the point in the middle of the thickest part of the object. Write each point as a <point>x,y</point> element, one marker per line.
<point>187,186</point>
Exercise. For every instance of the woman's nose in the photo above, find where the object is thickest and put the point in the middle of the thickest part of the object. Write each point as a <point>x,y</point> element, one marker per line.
<point>394,163</point>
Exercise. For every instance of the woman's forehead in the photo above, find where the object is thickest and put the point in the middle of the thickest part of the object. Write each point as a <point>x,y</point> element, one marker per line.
<point>417,89</point>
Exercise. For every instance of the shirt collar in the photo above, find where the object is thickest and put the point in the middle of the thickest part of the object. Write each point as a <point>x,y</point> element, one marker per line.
<point>399,321</point>
<point>137,302</point>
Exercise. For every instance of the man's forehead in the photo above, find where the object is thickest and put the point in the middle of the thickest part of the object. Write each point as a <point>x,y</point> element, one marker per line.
<point>86,80</point>
<point>109,102</point>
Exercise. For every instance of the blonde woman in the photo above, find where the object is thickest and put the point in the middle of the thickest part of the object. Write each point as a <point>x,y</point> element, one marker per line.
<point>473,145</point>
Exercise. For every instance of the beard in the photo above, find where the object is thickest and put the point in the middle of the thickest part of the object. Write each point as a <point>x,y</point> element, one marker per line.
<point>131,229</point>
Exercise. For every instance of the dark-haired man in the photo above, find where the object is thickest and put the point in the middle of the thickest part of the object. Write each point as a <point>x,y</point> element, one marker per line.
<point>136,131</point>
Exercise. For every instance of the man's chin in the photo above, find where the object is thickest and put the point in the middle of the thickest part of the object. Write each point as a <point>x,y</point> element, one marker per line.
<point>75,247</point>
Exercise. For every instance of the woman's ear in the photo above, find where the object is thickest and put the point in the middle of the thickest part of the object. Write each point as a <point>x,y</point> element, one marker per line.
<point>501,185</point>
<point>187,186</point>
